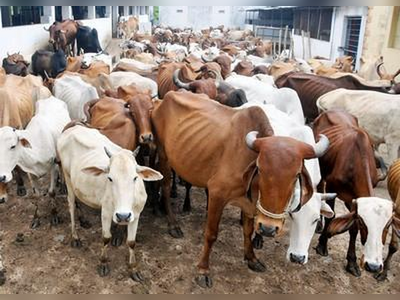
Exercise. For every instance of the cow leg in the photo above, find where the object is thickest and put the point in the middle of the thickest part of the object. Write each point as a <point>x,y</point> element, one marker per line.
<point>186,205</point>
<point>393,247</point>
<point>174,189</point>
<point>322,247</point>
<point>174,229</point>
<point>106,220</point>
<point>83,222</point>
<point>252,262</point>
<point>36,198</point>
<point>76,242</point>
<point>21,190</point>
<point>352,266</point>
<point>131,242</point>
<point>215,209</point>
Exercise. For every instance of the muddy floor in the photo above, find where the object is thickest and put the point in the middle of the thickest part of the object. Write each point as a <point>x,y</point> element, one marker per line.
<point>44,261</point>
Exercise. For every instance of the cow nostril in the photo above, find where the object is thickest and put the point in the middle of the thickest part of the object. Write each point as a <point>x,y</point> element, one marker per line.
<point>2,200</point>
<point>123,217</point>
<point>373,268</point>
<point>297,258</point>
<point>3,178</point>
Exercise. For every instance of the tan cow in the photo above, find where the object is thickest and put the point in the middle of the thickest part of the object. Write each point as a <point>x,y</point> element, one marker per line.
<point>128,28</point>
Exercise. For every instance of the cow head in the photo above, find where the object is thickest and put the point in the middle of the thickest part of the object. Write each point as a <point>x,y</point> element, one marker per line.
<point>140,107</point>
<point>202,86</point>
<point>284,183</point>
<point>308,220</point>
<point>372,216</point>
<point>229,96</point>
<point>124,178</point>
<point>12,145</point>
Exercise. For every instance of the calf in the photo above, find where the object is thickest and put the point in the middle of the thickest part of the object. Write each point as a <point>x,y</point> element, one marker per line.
<point>34,148</point>
<point>104,176</point>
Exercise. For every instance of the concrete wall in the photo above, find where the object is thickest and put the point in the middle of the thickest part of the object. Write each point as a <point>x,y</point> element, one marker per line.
<point>200,17</point>
<point>338,33</point>
<point>377,33</point>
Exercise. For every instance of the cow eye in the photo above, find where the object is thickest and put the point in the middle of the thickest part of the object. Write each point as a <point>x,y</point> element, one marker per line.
<point>316,220</point>
<point>12,147</point>
<point>109,178</point>
<point>134,179</point>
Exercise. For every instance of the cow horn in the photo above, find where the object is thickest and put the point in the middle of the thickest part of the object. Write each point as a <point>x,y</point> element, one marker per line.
<point>251,138</point>
<point>46,29</point>
<point>154,96</point>
<point>46,75</point>
<point>206,60</point>
<point>322,146</point>
<point>136,152</point>
<point>378,70</point>
<point>396,74</point>
<point>328,196</point>
<point>107,152</point>
<point>179,83</point>
<point>382,166</point>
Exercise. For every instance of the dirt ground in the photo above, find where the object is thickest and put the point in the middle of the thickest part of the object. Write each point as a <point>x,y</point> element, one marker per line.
<point>45,262</point>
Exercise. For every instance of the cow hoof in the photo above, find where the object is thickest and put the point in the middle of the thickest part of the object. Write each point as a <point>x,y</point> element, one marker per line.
<point>173,194</point>
<point>256,266</point>
<point>136,276</point>
<point>35,223</point>
<point>84,223</point>
<point>116,241</point>
<point>322,250</point>
<point>380,276</point>
<point>2,277</point>
<point>176,233</point>
<point>103,270</point>
<point>204,281</point>
<point>76,243</point>
<point>258,242</point>
<point>55,220</point>
<point>21,191</point>
<point>353,269</point>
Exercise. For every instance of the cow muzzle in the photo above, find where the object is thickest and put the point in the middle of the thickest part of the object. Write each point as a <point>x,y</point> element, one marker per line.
<point>269,227</point>
<point>298,259</point>
<point>373,268</point>
<point>3,199</point>
<point>123,217</point>
<point>146,138</point>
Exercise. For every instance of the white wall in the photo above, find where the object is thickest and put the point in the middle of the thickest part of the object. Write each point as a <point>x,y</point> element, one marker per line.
<point>200,17</point>
<point>320,48</point>
<point>29,38</point>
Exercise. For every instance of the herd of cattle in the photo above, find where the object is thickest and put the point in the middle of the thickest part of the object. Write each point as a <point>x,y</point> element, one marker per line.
<point>277,136</point>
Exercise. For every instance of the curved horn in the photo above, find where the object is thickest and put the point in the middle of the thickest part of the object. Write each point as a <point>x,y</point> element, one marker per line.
<point>136,152</point>
<point>251,138</point>
<point>46,29</point>
<point>107,152</point>
<point>154,96</point>
<point>179,83</point>
<point>396,74</point>
<point>46,75</point>
<point>382,166</point>
<point>205,59</point>
<point>322,146</point>
<point>378,70</point>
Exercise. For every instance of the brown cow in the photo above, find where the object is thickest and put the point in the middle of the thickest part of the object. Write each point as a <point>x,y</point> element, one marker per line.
<point>127,67</point>
<point>191,130</point>
<point>344,64</point>
<point>74,63</point>
<point>15,64</point>
<point>225,62</point>
<point>348,168</point>
<point>63,34</point>
<point>244,68</point>
<point>128,28</point>
<point>95,69</point>
<point>310,87</point>
<point>387,76</point>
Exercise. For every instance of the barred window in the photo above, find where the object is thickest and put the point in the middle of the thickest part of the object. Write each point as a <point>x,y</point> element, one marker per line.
<point>20,15</point>
<point>317,21</point>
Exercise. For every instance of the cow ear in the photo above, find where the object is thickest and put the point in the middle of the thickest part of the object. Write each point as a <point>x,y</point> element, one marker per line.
<point>122,92</point>
<point>249,173</point>
<point>341,224</point>
<point>306,186</point>
<point>326,210</point>
<point>396,225</point>
<point>96,171</point>
<point>24,142</point>
<point>148,174</point>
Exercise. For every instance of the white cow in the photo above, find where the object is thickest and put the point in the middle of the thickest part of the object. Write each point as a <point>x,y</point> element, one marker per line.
<point>285,99</point>
<point>374,215</point>
<point>304,222</point>
<point>89,58</point>
<point>104,176</point>
<point>138,64</point>
<point>75,92</point>
<point>376,112</point>
<point>126,78</point>
<point>34,148</point>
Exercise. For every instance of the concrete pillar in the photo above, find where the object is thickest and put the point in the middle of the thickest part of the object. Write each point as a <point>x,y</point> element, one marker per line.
<point>91,12</point>
<point>49,15</point>
<point>108,11</point>
<point>126,11</point>
<point>66,12</point>
<point>1,21</point>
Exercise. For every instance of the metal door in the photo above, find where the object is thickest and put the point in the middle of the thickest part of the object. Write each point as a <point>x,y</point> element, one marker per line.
<point>352,36</point>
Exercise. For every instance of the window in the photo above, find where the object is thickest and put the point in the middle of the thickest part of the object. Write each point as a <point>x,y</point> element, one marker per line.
<point>120,10</point>
<point>395,30</point>
<point>59,13</point>
<point>317,21</point>
<point>179,11</point>
<point>100,11</point>
<point>80,12</point>
<point>21,15</point>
